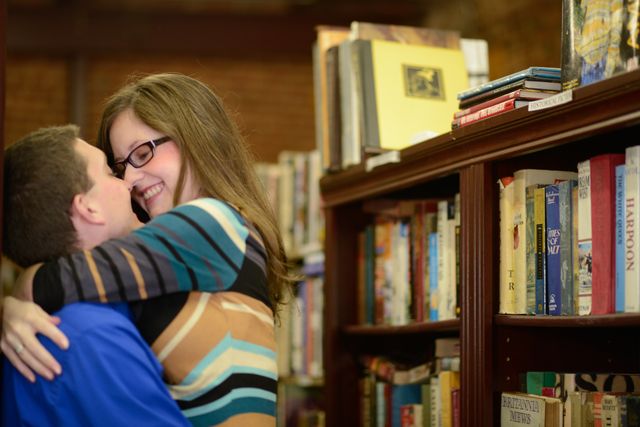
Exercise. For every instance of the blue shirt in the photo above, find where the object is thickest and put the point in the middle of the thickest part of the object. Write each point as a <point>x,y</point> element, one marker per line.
<point>109,377</point>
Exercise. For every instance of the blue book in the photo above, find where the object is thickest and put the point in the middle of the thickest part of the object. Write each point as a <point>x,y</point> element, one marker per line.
<point>404,394</point>
<point>565,204</point>
<point>433,276</point>
<point>554,286</point>
<point>620,220</point>
<point>541,73</point>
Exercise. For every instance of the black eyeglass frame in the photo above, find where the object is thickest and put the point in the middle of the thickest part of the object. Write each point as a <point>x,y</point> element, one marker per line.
<point>120,167</point>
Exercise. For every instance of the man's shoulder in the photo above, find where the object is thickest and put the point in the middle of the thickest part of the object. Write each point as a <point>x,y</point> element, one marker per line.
<point>81,317</point>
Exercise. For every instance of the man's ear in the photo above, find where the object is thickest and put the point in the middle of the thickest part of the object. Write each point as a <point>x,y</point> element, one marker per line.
<point>85,209</point>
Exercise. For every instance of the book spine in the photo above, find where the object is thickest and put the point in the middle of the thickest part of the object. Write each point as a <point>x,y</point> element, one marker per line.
<point>603,231</point>
<point>530,249</point>
<point>566,258</point>
<point>584,238</point>
<point>554,238</point>
<point>632,228</point>
<point>574,248</point>
<point>433,276</point>
<point>486,112</point>
<point>486,104</point>
<point>541,252</point>
<point>620,249</point>
<point>507,290</point>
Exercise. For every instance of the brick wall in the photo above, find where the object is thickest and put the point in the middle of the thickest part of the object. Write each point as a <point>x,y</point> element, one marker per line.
<point>272,99</point>
<point>36,95</point>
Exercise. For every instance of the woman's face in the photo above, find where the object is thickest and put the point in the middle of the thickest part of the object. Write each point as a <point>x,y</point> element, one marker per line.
<point>154,184</point>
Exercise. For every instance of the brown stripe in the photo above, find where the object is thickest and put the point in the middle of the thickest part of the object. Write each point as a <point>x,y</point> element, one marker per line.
<point>136,273</point>
<point>102,295</point>
<point>211,327</point>
<point>253,420</point>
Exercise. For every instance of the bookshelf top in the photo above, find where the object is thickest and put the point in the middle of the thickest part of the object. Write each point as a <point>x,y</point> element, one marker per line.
<point>601,107</point>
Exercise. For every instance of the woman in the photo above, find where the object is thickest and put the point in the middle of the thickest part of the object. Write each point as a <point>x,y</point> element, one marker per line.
<point>169,137</point>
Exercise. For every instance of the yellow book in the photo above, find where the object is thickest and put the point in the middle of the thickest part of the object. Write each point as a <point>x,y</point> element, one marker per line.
<point>448,381</point>
<point>409,91</point>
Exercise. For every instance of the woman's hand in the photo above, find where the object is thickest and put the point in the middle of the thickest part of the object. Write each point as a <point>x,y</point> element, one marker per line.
<point>21,321</point>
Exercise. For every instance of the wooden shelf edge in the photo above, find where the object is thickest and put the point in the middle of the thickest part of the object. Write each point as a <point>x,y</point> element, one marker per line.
<point>604,320</point>
<point>452,325</point>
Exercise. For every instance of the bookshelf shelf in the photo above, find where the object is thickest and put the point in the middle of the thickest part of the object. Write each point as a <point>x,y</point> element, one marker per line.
<point>452,325</point>
<point>495,349</point>
<point>602,321</point>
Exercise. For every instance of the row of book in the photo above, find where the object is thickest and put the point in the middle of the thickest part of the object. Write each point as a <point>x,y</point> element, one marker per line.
<point>409,261</point>
<point>570,399</point>
<point>293,186</point>
<point>570,247</point>
<point>384,87</point>
<point>424,395</point>
<point>299,335</point>
<point>505,94</point>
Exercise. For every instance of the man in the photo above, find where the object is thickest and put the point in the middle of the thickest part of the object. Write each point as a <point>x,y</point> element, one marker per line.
<point>59,186</point>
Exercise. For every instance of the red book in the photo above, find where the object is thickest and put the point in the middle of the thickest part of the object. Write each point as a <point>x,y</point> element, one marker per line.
<point>455,407</point>
<point>603,231</point>
<point>516,94</point>
<point>493,110</point>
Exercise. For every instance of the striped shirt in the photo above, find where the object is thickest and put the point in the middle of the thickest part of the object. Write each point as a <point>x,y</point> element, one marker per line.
<point>215,342</point>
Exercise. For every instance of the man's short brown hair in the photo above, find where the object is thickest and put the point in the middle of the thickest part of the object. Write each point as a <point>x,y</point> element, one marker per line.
<point>42,174</point>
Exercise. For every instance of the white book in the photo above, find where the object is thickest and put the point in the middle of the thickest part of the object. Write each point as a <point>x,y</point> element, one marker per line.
<point>519,409</point>
<point>584,238</point>
<point>507,291</point>
<point>521,180</point>
<point>632,228</point>
<point>444,254</point>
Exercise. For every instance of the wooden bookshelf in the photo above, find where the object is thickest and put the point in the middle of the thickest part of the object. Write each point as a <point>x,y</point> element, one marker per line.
<point>602,117</point>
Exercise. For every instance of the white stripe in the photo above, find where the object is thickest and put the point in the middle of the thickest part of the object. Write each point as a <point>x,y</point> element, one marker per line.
<point>243,308</point>
<point>227,364</point>
<point>186,328</point>
<point>232,230</point>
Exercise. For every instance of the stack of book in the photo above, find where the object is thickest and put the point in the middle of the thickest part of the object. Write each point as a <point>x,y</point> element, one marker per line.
<point>506,93</point>
<point>382,87</point>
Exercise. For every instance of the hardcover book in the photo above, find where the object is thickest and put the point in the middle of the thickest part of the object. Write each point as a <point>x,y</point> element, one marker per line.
<point>326,37</point>
<point>554,237</point>
<point>620,248</point>
<point>599,39</point>
<point>541,85</point>
<point>521,94</point>
<point>532,73</point>
<point>632,228</point>
<point>507,299</point>
<point>603,203</point>
<point>493,110</point>
<point>540,224</point>
<point>565,190</point>
<point>522,179</point>
<point>408,91</point>
<point>584,238</point>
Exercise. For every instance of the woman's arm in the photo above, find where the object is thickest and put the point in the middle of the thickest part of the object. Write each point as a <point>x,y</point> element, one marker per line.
<point>202,245</point>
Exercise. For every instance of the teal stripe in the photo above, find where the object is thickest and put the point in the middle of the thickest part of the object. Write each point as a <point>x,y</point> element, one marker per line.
<point>240,406</point>
<point>225,344</point>
<point>197,246</point>
<point>237,401</point>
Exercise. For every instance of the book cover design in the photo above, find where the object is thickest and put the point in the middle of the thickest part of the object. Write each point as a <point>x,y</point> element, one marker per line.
<point>409,91</point>
<point>599,39</point>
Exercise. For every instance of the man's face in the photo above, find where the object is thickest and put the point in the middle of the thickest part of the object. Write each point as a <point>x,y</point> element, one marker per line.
<point>111,194</point>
